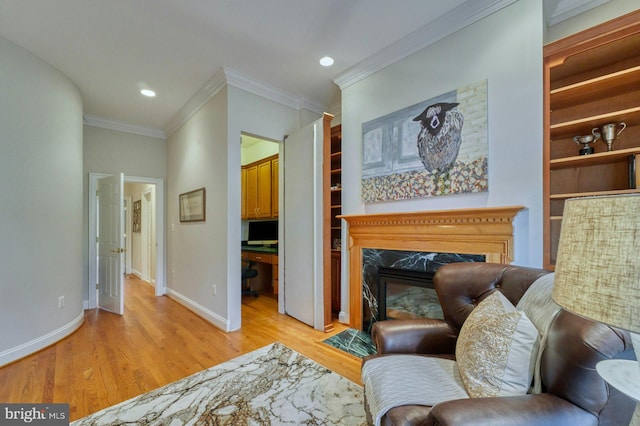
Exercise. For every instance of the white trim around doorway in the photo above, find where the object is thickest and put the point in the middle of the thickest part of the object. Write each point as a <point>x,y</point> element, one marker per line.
<point>161,284</point>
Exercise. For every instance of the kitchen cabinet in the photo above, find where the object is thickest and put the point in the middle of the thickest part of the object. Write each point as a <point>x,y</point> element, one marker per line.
<point>258,189</point>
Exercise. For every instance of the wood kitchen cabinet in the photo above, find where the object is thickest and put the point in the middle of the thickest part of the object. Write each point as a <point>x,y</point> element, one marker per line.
<point>243,185</point>
<point>275,164</point>
<point>257,196</point>
<point>264,190</point>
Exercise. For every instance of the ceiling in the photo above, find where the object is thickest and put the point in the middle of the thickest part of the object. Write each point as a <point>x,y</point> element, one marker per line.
<point>113,48</point>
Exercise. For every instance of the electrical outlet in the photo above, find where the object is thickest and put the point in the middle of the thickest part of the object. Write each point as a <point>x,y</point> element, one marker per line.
<point>215,289</point>
<point>60,302</point>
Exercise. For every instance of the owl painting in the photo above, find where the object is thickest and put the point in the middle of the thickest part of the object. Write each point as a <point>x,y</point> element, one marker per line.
<point>440,136</point>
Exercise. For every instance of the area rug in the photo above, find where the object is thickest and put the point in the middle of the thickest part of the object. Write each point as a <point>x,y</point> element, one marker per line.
<point>352,341</point>
<point>274,385</point>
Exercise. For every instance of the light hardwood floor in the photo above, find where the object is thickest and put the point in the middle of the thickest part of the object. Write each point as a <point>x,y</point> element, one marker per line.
<point>112,358</point>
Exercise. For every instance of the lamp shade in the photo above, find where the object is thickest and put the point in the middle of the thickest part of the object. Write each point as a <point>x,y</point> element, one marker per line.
<point>597,273</point>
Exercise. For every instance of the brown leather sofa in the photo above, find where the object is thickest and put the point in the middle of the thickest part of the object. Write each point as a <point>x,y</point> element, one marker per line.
<point>573,392</point>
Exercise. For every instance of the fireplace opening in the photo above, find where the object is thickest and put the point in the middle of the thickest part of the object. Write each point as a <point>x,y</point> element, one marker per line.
<point>407,294</point>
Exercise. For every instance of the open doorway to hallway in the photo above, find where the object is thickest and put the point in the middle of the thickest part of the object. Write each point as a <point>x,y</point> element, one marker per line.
<point>145,244</point>
<point>140,231</point>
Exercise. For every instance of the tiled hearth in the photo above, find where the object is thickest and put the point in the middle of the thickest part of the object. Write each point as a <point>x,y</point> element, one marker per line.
<point>485,231</point>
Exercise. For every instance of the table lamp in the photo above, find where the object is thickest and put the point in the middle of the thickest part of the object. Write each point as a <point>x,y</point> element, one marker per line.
<point>597,275</point>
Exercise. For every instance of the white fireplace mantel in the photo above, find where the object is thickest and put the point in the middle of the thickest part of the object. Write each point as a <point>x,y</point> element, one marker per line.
<point>486,231</point>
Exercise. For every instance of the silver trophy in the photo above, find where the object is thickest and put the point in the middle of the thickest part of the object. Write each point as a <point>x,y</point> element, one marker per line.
<point>610,132</point>
<point>585,141</point>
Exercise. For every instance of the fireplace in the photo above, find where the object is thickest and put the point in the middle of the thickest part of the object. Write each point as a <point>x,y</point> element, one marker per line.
<point>406,294</point>
<point>486,232</point>
<point>408,274</point>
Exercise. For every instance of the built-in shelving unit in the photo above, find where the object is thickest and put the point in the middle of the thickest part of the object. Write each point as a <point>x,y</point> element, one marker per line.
<point>591,79</point>
<point>335,161</point>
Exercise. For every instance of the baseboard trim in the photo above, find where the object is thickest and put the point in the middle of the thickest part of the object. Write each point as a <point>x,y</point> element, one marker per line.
<point>29,348</point>
<point>210,316</point>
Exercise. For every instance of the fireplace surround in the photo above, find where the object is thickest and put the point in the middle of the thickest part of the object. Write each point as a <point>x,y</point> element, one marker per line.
<point>486,231</point>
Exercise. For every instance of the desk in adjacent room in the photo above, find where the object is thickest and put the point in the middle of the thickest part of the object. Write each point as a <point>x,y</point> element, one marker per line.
<point>266,259</point>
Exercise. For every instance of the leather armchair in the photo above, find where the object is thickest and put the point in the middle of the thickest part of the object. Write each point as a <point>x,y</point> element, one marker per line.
<point>573,393</point>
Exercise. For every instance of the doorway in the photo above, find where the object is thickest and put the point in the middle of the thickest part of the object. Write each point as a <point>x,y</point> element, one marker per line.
<point>156,253</point>
<point>260,214</point>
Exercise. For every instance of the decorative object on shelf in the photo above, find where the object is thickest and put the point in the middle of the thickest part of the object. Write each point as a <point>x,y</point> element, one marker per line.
<point>609,133</point>
<point>436,147</point>
<point>193,206</point>
<point>597,275</point>
<point>586,140</point>
<point>137,215</point>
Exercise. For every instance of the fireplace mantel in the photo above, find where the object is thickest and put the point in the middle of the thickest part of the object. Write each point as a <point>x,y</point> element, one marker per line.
<point>487,231</point>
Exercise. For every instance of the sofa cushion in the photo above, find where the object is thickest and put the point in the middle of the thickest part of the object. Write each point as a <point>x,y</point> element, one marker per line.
<point>496,349</point>
<point>538,306</point>
<point>398,380</point>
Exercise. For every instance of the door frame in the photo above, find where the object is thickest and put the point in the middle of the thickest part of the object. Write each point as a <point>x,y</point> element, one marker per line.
<point>161,284</point>
<point>147,212</point>
<point>128,224</point>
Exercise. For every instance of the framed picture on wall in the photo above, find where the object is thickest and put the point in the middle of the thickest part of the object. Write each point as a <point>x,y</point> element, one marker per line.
<point>193,206</point>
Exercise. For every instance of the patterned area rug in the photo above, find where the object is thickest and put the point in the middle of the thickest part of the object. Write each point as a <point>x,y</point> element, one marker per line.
<point>273,385</point>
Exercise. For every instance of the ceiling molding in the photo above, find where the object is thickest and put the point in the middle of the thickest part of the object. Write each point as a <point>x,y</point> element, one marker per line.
<point>228,76</point>
<point>556,11</point>
<point>466,14</point>
<point>241,81</point>
<point>197,101</point>
<point>95,121</point>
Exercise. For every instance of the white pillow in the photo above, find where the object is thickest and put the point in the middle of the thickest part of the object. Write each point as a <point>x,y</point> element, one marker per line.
<point>496,349</point>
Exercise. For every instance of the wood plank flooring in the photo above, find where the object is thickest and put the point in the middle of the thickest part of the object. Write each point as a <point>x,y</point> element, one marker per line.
<point>112,358</point>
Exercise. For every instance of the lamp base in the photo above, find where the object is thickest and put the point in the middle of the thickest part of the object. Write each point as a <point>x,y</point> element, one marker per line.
<point>624,375</point>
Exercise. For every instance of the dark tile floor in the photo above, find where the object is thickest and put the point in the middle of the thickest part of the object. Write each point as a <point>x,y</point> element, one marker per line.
<point>353,341</point>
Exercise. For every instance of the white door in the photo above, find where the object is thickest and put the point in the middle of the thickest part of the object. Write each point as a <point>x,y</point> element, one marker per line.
<point>111,244</point>
<point>303,266</point>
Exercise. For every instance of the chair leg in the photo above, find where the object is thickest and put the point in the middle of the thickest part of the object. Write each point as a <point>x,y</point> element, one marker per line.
<point>248,290</point>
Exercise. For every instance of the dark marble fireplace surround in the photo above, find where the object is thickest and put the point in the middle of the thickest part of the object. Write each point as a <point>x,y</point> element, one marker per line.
<point>373,259</point>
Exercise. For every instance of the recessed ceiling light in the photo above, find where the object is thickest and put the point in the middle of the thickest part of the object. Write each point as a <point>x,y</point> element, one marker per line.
<point>327,61</point>
<point>147,92</point>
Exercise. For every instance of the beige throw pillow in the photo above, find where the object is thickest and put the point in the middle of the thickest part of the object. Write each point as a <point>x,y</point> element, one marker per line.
<point>496,349</point>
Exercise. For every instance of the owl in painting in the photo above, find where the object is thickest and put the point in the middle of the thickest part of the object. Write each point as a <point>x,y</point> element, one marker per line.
<point>440,136</point>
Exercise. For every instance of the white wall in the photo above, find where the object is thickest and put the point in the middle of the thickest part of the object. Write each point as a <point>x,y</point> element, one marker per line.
<point>205,152</point>
<point>197,251</point>
<point>40,204</point>
<point>112,151</point>
<point>504,48</point>
<point>259,151</point>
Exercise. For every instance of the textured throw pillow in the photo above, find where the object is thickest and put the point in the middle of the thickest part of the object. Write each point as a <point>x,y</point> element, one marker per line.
<point>496,349</point>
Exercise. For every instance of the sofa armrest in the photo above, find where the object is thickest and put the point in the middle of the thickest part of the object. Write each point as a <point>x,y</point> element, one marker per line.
<point>526,410</point>
<point>417,336</point>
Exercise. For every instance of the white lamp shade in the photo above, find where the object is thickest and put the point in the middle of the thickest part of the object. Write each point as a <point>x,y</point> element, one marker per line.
<point>597,273</point>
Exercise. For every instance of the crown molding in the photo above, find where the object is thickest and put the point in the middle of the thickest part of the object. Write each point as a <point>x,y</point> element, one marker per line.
<point>241,81</point>
<point>95,121</point>
<point>462,16</point>
<point>228,76</point>
<point>197,101</point>
<point>556,11</point>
